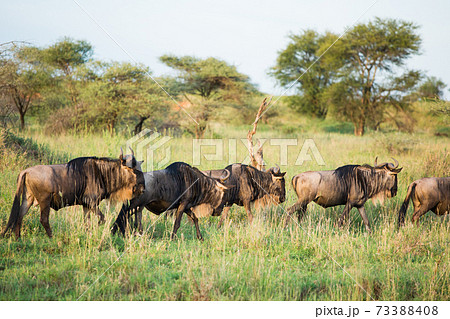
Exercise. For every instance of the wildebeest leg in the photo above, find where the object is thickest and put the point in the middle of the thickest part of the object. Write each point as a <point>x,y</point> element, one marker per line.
<point>301,213</point>
<point>99,214</point>
<point>223,216</point>
<point>122,218</point>
<point>190,219</point>
<point>418,212</point>
<point>45,212</point>
<point>138,220</point>
<point>249,211</point>
<point>195,220</point>
<point>178,216</point>
<point>26,204</point>
<point>290,211</point>
<point>298,207</point>
<point>344,215</point>
<point>362,212</point>
<point>86,214</point>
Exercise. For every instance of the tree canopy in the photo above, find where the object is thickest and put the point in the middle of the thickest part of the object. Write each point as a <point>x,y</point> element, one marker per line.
<point>23,77</point>
<point>357,75</point>
<point>211,82</point>
<point>299,66</point>
<point>431,88</point>
<point>121,91</point>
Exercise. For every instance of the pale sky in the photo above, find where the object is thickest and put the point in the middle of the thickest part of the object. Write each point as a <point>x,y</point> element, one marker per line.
<point>245,33</point>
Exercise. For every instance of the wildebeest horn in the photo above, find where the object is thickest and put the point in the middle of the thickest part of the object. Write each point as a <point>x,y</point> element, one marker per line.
<point>382,165</point>
<point>224,178</point>
<point>121,154</point>
<point>396,163</point>
<point>278,170</point>
<point>132,152</point>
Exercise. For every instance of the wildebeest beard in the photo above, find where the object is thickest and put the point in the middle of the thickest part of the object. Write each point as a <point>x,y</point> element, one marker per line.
<point>367,179</point>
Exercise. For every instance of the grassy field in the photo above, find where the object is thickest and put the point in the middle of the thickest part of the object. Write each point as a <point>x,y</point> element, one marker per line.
<point>262,261</point>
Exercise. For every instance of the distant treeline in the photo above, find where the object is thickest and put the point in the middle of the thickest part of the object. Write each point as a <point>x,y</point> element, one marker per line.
<point>359,78</point>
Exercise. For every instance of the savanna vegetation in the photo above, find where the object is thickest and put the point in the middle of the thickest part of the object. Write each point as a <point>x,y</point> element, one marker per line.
<point>357,102</point>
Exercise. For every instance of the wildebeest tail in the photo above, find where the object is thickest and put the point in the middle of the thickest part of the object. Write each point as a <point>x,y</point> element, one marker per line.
<point>15,210</point>
<point>404,208</point>
<point>293,181</point>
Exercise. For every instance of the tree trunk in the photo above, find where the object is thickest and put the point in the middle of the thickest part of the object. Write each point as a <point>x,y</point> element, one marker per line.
<point>200,131</point>
<point>359,127</point>
<point>110,127</point>
<point>22,120</point>
<point>138,126</point>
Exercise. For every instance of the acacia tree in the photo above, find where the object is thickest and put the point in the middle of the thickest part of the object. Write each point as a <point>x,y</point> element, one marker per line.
<point>65,56</point>
<point>113,92</point>
<point>357,75</point>
<point>148,104</point>
<point>210,82</point>
<point>23,78</point>
<point>298,67</point>
<point>373,53</point>
<point>431,88</point>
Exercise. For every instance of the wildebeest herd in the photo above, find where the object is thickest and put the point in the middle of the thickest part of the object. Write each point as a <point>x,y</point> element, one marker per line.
<point>186,190</point>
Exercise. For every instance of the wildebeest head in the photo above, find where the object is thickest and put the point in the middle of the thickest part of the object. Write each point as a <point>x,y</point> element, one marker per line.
<point>132,173</point>
<point>221,188</point>
<point>277,187</point>
<point>391,176</point>
<point>386,180</point>
<point>130,160</point>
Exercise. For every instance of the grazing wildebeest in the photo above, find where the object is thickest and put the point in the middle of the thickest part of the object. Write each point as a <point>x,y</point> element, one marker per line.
<point>179,186</point>
<point>248,185</point>
<point>349,185</point>
<point>430,193</point>
<point>83,181</point>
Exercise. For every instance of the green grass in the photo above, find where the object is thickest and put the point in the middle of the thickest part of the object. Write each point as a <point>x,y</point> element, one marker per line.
<point>262,261</point>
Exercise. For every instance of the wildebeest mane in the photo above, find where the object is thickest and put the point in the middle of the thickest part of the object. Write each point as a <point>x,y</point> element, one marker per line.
<point>365,177</point>
<point>261,181</point>
<point>248,184</point>
<point>191,180</point>
<point>95,175</point>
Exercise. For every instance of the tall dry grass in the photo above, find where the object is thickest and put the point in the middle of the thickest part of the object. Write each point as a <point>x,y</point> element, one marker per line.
<point>314,260</point>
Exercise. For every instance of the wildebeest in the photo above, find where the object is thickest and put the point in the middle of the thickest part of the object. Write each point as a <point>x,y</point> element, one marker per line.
<point>83,181</point>
<point>248,185</point>
<point>349,185</point>
<point>430,193</point>
<point>179,186</point>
